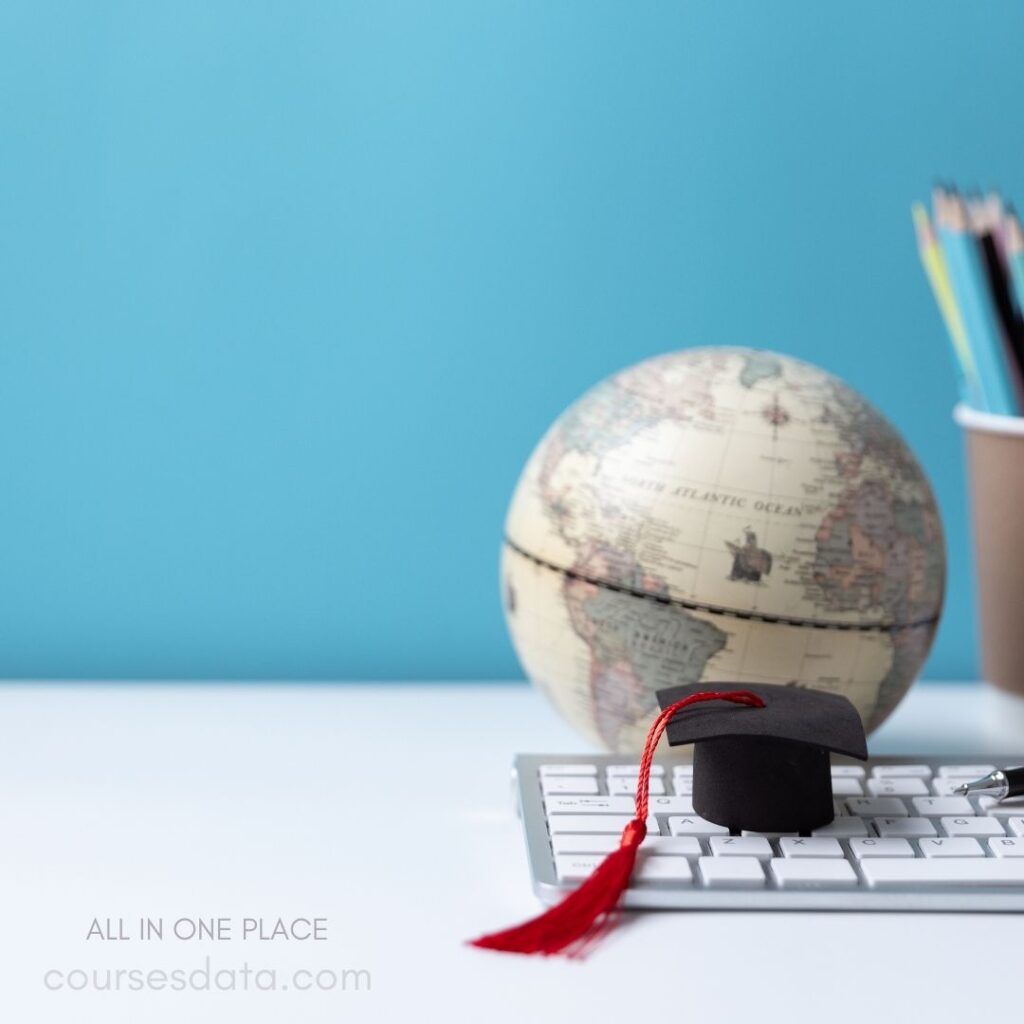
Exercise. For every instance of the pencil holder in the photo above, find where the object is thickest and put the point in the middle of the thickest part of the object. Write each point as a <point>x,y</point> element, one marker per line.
<point>995,457</point>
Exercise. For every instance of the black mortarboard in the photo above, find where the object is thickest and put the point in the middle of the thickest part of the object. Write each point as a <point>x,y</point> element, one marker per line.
<point>765,769</point>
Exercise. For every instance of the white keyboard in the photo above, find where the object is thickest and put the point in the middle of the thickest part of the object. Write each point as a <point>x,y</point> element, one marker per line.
<point>901,840</point>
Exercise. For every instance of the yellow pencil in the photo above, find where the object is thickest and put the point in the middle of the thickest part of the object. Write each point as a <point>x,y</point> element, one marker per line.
<point>938,276</point>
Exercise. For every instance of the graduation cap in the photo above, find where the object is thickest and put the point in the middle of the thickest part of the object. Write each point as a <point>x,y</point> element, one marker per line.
<point>761,762</point>
<point>769,771</point>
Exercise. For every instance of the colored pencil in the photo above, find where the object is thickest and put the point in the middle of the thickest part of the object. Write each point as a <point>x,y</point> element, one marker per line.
<point>986,219</point>
<point>969,278</point>
<point>1015,257</point>
<point>994,212</point>
<point>934,264</point>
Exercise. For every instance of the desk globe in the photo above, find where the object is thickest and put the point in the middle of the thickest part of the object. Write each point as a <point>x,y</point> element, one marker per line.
<point>720,514</point>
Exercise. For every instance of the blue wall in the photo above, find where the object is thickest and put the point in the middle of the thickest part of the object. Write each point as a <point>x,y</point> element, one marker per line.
<point>289,291</point>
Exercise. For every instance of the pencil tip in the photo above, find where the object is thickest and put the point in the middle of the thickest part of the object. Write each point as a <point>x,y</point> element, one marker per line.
<point>922,225</point>
<point>1014,232</point>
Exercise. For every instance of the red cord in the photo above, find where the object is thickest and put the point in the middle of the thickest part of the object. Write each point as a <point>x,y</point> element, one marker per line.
<point>587,913</point>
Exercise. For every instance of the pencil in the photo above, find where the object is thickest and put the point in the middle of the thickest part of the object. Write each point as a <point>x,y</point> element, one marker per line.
<point>985,221</point>
<point>995,213</point>
<point>970,286</point>
<point>934,264</point>
<point>1015,257</point>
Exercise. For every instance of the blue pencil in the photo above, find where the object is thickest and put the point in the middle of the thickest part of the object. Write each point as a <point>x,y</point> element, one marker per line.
<point>970,284</point>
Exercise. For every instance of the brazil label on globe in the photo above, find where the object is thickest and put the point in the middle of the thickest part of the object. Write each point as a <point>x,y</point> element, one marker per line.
<point>720,515</point>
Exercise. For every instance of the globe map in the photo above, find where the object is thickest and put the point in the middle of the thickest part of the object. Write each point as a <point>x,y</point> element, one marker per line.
<point>720,515</point>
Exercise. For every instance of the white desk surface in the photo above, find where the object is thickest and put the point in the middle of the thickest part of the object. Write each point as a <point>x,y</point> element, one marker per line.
<point>386,810</point>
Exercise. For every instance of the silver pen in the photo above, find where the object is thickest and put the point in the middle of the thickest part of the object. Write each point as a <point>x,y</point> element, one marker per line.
<point>1000,784</point>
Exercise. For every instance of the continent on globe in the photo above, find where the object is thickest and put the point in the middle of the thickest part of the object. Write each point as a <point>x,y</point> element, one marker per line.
<point>713,515</point>
<point>637,646</point>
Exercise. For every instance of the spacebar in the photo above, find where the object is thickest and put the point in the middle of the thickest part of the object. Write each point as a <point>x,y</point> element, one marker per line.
<point>949,871</point>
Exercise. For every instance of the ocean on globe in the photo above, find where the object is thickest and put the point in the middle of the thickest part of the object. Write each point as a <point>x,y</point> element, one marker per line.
<point>720,515</point>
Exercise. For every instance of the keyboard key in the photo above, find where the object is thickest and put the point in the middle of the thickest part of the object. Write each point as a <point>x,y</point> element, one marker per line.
<point>548,770</point>
<point>619,770</point>
<point>616,805</point>
<point>683,785</point>
<point>693,825</point>
<point>965,771</point>
<point>929,871</point>
<point>682,771</point>
<point>884,807</point>
<point>876,806</point>
<point>625,785</point>
<point>590,805</point>
<point>942,806</point>
<point>652,868</point>
<point>575,867</point>
<point>812,872</point>
<point>906,827</point>
<point>561,845</point>
<point>813,846</point>
<point>731,872</point>
<point>673,846</point>
<point>843,828</point>
<point>1006,809</point>
<point>607,824</point>
<point>578,784</point>
<point>871,847</point>
<point>671,805</point>
<point>945,787</point>
<point>1006,847</point>
<point>897,787</point>
<point>843,786</point>
<point>847,771</point>
<point>682,846</point>
<point>952,847</point>
<point>1016,826</point>
<point>904,771</point>
<point>740,846</point>
<point>972,827</point>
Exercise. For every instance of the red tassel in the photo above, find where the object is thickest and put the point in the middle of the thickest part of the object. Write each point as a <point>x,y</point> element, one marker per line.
<point>587,913</point>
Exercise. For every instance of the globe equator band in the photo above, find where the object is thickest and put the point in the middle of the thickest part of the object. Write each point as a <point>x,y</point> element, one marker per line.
<point>712,609</point>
